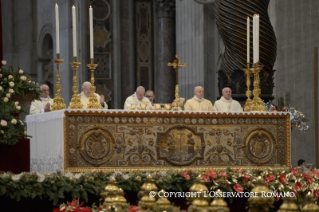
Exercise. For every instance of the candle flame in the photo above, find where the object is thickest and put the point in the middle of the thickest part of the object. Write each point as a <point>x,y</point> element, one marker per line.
<point>90,6</point>
<point>56,5</point>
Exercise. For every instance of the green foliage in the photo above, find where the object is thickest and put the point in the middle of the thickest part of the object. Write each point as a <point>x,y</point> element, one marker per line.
<point>56,186</point>
<point>12,83</point>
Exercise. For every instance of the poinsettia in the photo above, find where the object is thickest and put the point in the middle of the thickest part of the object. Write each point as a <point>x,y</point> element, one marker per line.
<point>246,177</point>
<point>206,178</point>
<point>283,178</point>
<point>237,187</point>
<point>223,174</point>
<point>294,172</point>
<point>298,187</point>
<point>315,173</point>
<point>308,177</point>
<point>133,208</point>
<point>270,178</point>
<point>316,194</point>
<point>186,175</point>
<point>212,174</point>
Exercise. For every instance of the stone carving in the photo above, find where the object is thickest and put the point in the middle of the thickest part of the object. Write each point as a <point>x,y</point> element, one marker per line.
<point>126,140</point>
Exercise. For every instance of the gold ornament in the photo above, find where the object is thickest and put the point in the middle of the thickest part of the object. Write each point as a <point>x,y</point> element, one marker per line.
<point>93,102</point>
<point>149,182</point>
<point>110,194</point>
<point>309,204</point>
<point>260,203</point>
<point>257,103</point>
<point>148,201</point>
<point>288,205</point>
<point>248,72</point>
<point>163,202</point>
<point>219,204</point>
<point>177,103</point>
<point>75,101</point>
<point>58,101</point>
<point>199,187</point>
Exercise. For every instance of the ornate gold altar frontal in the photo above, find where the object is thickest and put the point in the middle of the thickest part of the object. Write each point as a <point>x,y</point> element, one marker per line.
<point>162,140</point>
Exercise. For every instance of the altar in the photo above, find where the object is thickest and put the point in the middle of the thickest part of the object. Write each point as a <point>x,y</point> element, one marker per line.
<point>108,140</point>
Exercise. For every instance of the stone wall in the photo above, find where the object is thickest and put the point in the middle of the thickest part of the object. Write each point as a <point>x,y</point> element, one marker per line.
<point>296,25</point>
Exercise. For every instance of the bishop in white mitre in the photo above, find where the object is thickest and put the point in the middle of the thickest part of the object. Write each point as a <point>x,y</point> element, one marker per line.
<point>226,103</point>
<point>198,103</point>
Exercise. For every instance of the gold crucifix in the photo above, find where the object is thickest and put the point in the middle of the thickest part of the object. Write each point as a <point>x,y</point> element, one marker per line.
<point>176,65</point>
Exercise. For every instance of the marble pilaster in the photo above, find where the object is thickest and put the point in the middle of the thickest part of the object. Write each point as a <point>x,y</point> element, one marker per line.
<point>166,47</point>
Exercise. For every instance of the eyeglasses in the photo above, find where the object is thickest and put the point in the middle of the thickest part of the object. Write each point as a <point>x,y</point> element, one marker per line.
<point>149,96</point>
<point>45,90</point>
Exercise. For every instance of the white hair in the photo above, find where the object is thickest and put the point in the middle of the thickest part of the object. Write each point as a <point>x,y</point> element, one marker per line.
<point>140,88</point>
<point>86,83</point>
<point>197,88</point>
<point>41,87</point>
<point>225,88</point>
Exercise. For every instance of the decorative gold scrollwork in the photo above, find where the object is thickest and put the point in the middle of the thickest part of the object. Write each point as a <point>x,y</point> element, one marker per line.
<point>259,146</point>
<point>180,145</point>
<point>96,146</point>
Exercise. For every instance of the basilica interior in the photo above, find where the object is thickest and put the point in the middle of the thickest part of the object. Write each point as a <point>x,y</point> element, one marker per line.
<point>134,40</point>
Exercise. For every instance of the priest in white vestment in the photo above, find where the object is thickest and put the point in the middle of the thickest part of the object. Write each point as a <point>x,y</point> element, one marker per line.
<point>198,103</point>
<point>86,93</point>
<point>45,102</point>
<point>137,100</point>
<point>226,103</point>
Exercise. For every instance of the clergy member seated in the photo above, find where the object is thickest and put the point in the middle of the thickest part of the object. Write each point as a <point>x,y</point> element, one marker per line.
<point>151,96</point>
<point>198,103</point>
<point>85,94</point>
<point>137,100</point>
<point>226,103</point>
<point>45,102</point>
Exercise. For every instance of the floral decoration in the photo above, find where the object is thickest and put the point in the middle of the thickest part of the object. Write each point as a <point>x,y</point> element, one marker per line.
<point>13,83</point>
<point>56,185</point>
<point>298,119</point>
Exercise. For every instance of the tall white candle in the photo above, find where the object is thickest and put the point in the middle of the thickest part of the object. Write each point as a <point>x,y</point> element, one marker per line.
<point>91,32</point>
<point>248,40</point>
<point>74,31</point>
<point>57,29</point>
<point>256,37</point>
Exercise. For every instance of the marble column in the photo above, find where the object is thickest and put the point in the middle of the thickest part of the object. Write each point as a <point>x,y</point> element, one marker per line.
<point>166,47</point>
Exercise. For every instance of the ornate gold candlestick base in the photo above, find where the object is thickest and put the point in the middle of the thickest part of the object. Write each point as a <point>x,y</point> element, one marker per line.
<point>248,103</point>
<point>75,101</point>
<point>177,103</point>
<point>93,102</point>
<point>257,103</point>
<point>58,101</point>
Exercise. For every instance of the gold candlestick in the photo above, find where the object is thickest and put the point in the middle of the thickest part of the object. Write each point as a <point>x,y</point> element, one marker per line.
<point>93,102</point>
<point>58,101</point>
<point>75,101</point>
<point>257,103</point>
<point>248,72</point>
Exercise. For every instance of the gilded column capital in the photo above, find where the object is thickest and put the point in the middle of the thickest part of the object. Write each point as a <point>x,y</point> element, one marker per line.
<point>165,8</point>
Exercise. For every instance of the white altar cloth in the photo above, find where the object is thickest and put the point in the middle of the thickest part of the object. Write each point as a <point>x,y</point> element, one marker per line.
<point>46,144</point>
<point>47,131</point>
